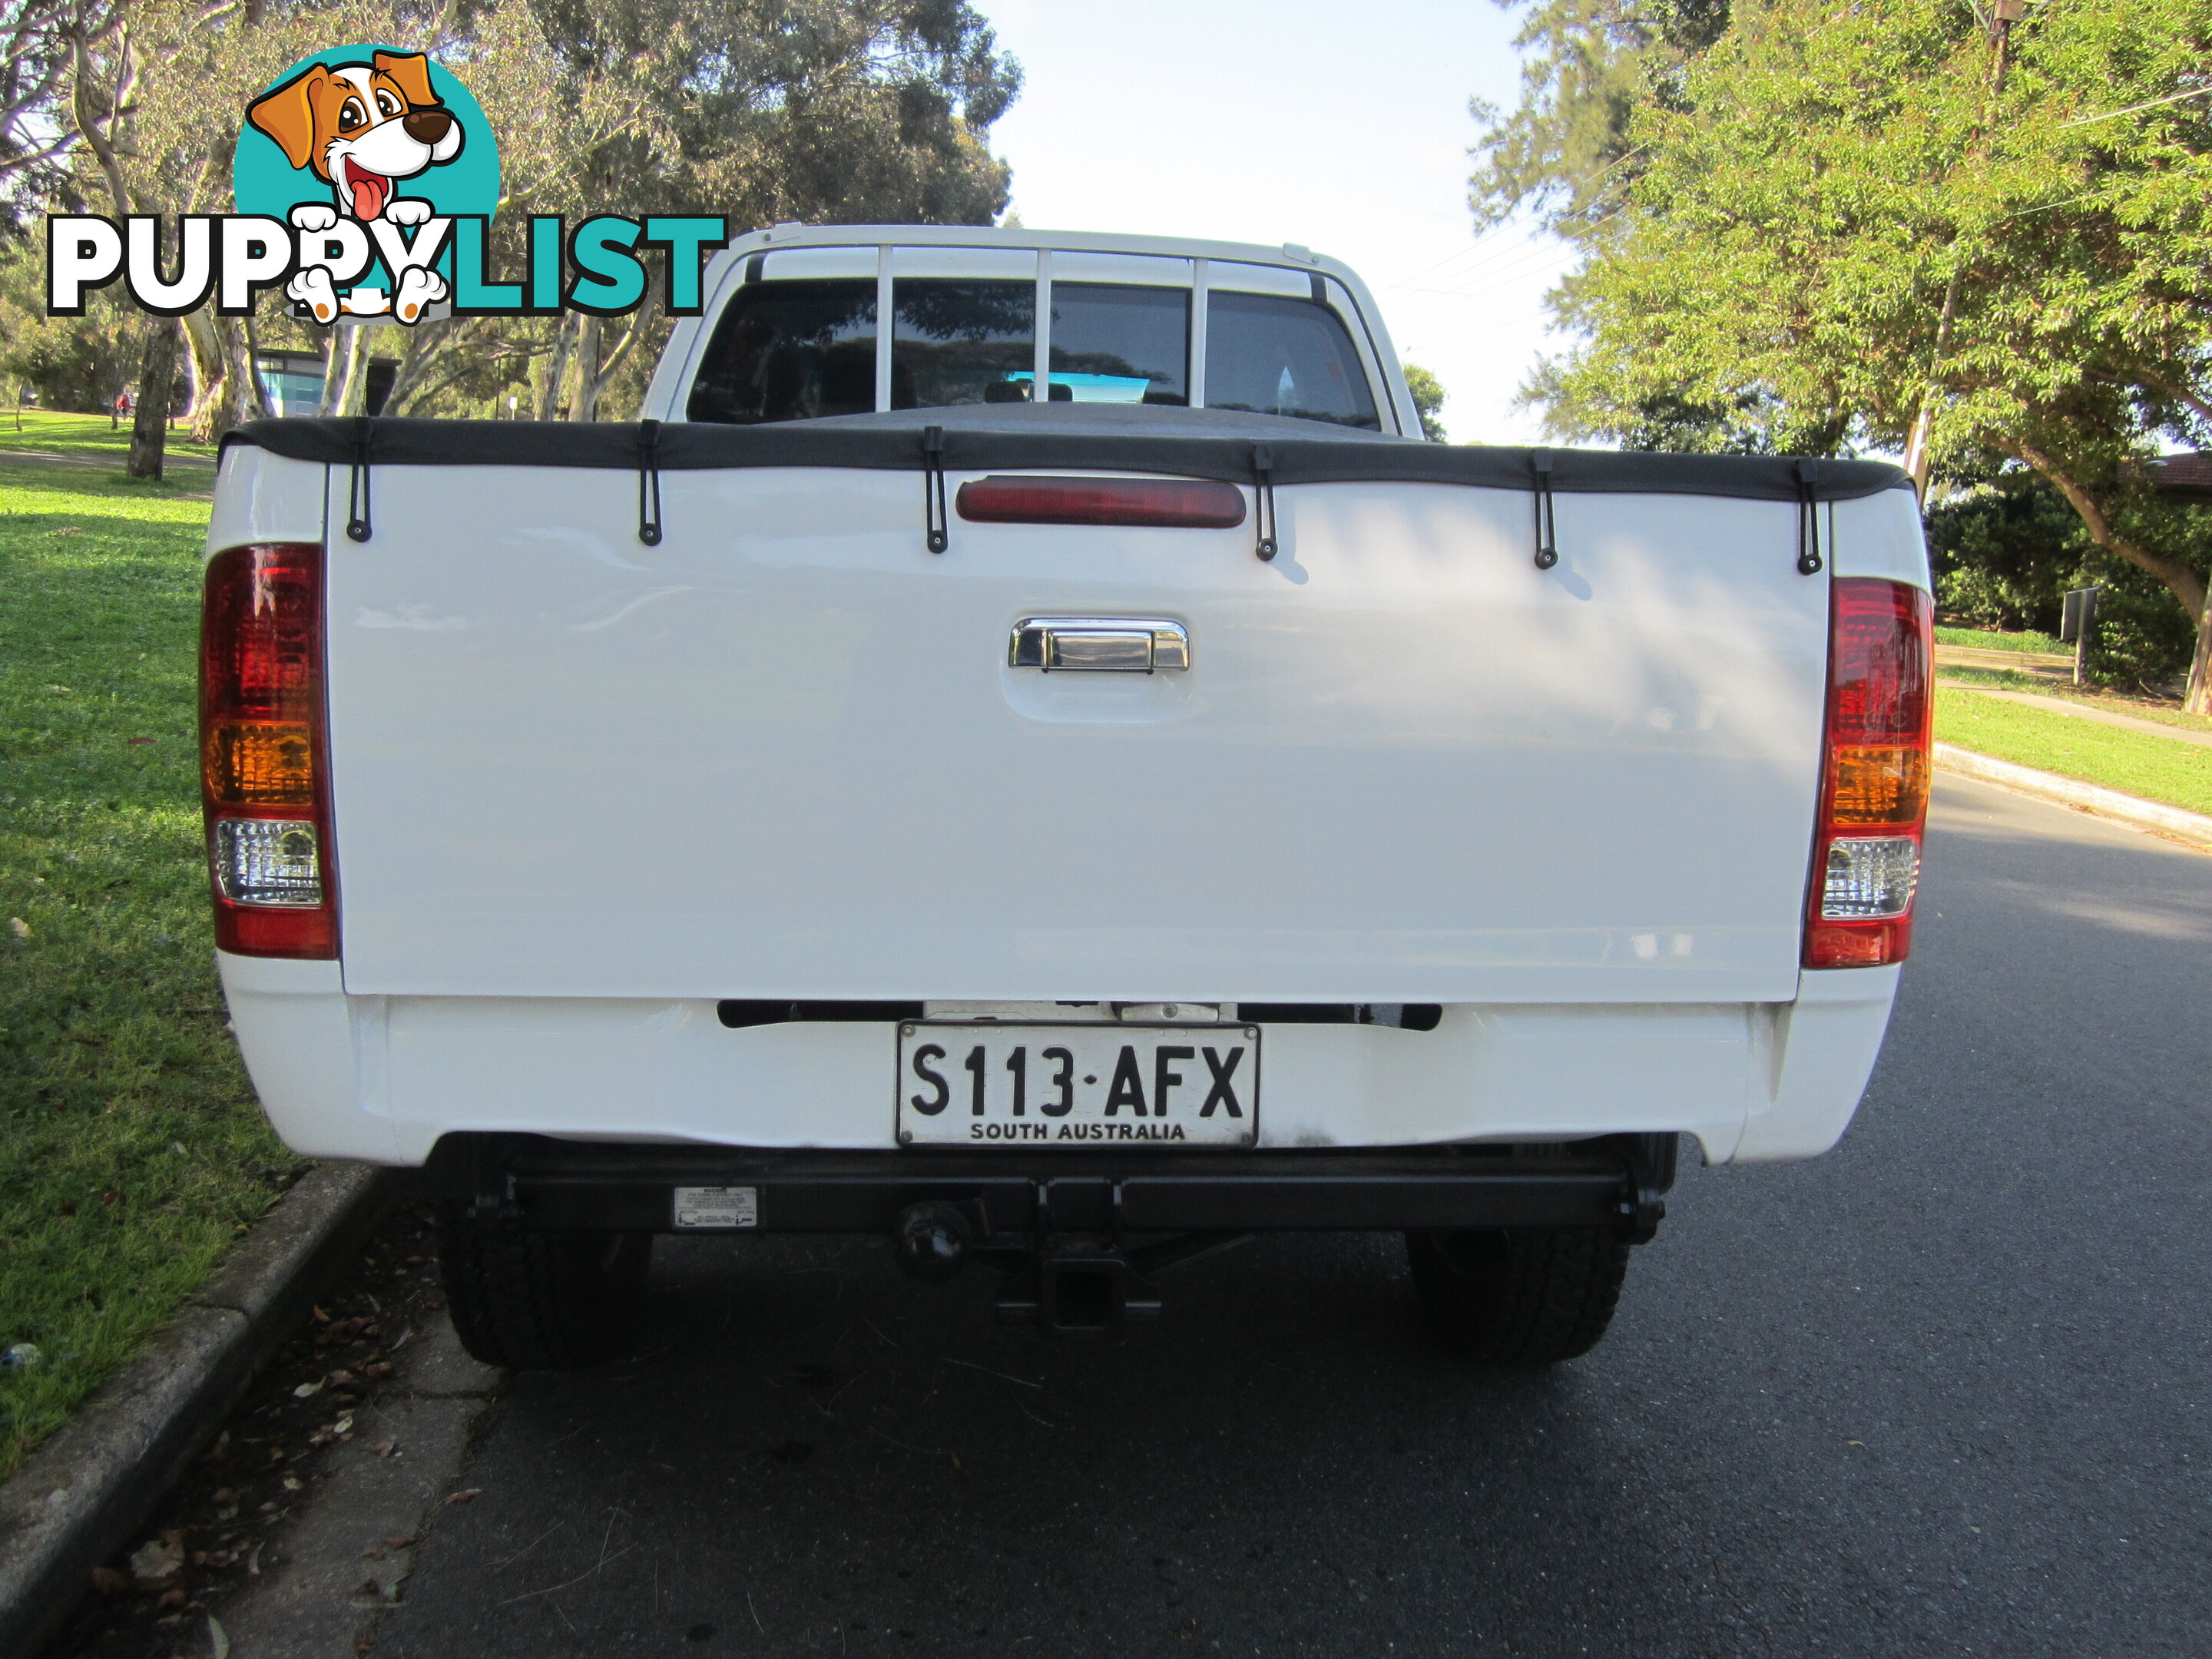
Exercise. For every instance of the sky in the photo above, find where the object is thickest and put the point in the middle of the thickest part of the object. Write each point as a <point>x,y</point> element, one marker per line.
<point>1345,128</point>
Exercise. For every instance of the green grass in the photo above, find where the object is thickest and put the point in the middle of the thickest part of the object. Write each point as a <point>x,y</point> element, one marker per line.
<point>1989,640</point>
<point>2135,763</point>
<point>85,434</point>
<point>2142,709</point>
<point>131,1149</point>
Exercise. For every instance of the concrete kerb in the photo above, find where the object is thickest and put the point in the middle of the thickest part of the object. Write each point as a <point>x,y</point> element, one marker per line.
<point>2173,822</point>
<point>78,1499</point>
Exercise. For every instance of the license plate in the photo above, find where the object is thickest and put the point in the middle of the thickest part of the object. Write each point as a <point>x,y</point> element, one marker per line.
<point>1070,1086</point>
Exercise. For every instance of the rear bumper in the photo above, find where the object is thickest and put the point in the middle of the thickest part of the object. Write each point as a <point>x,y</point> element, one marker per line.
<point>530,1181</point>
<point>384,1079</point>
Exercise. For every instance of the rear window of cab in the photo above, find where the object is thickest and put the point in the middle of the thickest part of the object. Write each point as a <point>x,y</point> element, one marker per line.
<point>802,337</point>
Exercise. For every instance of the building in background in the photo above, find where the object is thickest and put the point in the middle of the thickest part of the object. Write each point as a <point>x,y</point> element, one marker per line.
<point>293,381</point>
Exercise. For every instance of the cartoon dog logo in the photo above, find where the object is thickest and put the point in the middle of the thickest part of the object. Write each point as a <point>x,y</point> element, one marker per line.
<point>362,128</point>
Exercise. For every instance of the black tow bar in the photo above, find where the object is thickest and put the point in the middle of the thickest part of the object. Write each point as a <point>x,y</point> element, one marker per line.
<point>1076,1285</point>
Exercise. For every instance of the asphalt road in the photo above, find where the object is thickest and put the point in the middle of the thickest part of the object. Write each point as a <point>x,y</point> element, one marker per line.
<point>1943,1391</point>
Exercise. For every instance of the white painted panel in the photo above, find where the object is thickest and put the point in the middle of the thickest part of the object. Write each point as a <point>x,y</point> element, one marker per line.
<point>1881,536</point>
<point>778,754</point>
<point>1827,1043</point>
<point>666,1071</point>
<point>261,497</point>
<point>1123,268</point>
<point>1259,279</point>
<point>297,1030</point>
<point>810,264</point>
<point>1511,1073</point>
<point>381,1078</point>
<point>1015,263</point>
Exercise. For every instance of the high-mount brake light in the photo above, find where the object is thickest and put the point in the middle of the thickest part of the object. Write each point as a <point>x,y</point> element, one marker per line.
<point>1168,503</point>
<point>264,782</point>
<point>1873,788</point>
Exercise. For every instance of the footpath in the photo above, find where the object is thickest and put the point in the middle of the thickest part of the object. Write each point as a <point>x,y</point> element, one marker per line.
<point>2035,665</point>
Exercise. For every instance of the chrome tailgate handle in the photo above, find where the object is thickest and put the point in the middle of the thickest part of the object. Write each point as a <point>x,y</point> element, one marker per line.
<point>1109,645</point>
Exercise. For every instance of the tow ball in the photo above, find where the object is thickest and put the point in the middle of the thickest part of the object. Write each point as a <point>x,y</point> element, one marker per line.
<point>931,1241</point>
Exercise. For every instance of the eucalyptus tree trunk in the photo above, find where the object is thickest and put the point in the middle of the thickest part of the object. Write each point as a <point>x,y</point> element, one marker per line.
<point>150,428</point>
<point>584,406</point>
<point>342,368</point>
<point>556,369</point>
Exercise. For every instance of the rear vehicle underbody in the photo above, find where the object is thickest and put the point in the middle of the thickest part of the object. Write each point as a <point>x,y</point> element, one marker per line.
<point>1078,1236</point>
<point>1067,834</point>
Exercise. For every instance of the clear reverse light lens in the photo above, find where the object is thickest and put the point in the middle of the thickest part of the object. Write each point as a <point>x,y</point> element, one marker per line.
<point>1869,877</point>
<point>268,861</point>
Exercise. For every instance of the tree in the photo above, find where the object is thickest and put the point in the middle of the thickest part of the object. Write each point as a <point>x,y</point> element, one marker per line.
<point>36,55</point>
<point>762,110</point>
<point>1428,401</point>
<point>821,111</point>
<point>74,362</point>
<point>2005,551</point>
<point>1587,65</point>
<point>1850,226</point>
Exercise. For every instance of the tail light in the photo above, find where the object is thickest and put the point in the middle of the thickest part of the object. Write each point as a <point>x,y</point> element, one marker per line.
<point>264,781</point>
<point>1172,503</point>
<point>1873,794</point>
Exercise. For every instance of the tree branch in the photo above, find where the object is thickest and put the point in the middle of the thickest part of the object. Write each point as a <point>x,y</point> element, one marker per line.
<point>88,124</point>
<point>2183,582</point>
<point>2174,389</point>
<point>641,325</point>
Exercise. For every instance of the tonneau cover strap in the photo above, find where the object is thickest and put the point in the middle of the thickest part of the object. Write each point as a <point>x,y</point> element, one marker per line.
<point>1808,519</point>
<point>934,520</point>
<point>1263,499</point>
<point>357,514</point>
<point>1547,527</point>
<point>648,482</point>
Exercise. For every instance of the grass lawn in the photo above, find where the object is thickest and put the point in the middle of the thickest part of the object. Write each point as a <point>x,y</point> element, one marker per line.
<point>131,1149</point>
<point>85,434</point>
<point>2135,763</point>
<point>2142,708</point>
<point>1989,640</point>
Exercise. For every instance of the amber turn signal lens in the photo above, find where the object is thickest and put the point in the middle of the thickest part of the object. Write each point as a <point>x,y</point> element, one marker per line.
<point>1878,785</point>
<point>260,765</point>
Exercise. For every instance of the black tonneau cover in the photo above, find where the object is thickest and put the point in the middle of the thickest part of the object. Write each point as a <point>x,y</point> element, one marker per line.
<point>1195,443</point>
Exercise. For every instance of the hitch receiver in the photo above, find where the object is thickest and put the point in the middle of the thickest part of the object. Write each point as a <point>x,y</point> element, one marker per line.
<point>1080,1292</point>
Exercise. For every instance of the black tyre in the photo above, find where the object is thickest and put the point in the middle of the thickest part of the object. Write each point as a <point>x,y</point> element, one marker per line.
<point>1528,1296</point>
<point>545,1301</point>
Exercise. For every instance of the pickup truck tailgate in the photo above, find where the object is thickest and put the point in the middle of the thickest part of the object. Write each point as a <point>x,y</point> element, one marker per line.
<point>784,754</point>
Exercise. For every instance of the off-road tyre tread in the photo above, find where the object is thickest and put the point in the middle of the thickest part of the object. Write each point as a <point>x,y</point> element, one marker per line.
<point>1521,1296</point>
<point>540,1300</point>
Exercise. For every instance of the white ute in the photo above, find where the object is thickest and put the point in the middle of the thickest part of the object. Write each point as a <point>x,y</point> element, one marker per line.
<point>1069,832</point>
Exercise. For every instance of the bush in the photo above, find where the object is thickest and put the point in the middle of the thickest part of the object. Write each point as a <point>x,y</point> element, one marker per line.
<point>2005,551</point>
<point>2144,639</point>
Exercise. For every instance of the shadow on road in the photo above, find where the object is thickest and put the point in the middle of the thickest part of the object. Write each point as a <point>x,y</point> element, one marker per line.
<point>812,1454</point>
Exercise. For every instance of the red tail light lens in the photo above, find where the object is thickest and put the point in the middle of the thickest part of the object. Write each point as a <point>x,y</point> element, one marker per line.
<point>1172,503</point>
<point>1874,791</point>
<point>264,783</point>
